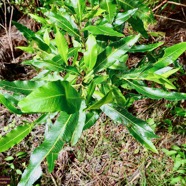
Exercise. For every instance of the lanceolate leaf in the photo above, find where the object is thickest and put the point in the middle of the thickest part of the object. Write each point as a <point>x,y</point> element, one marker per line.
<point>91,119</point>
<point>120,98</point>
<point>53,139</point>
<point>23,87</point>
<point>114,52</point>
<point>61,45</point>
<point>67,127</point>
<point>52,97</point>
<point>63,23</point>
<point>103,30</point>
<point>15,136</point>
<point>171,54</point>
<point>26,32</point>
<point>80,122</point>
<point>138,128</point>
<point>110,8</point>
<point>29,34</point>
<point>72,133</point>
<point>7,103</point>
<point>145,48</point>
<point>157,93</point>
<point>124,16</point>
<point>45,64</point>
<point>144,13</point>
<point>42,45</point>
<point>79,6</point>
<point>144,73</point>
<point>90,55</point>
<point>137,25</point>
<point>108,98</point>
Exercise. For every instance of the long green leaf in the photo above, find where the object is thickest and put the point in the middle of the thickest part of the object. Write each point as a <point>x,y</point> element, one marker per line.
<point>66,128</point>
<point>110,8</point>
<point>103,30</point>
<point>76,129</point>
<point>52,97</point>
<point>91,119</point>
<point>145,48</point>
<point>15,136</point>
<point>171,54</point>
<point>156,93</point>
<point>41,44</point>
<point>26,31</point>
<point>80,119</point>
<point>108,98</point>
<point>23,87</point>
<point>53,138</point>
<point>29,34</point>
<point>7,103</point>
<point>90,55</point>
<point>144,13</point>
<point>63,23</point>
<point>79,6</point>
<point>145,73</point>
<point>137,25</point>
<point>138,128</point>
<point>45,64</point>
<point>114,52</point>
<point>62,45</point>
<point>124,16</point>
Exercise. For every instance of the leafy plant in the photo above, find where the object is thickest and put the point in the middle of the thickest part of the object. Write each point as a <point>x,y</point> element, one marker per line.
<point>178,155</point>
<point>81,53</point>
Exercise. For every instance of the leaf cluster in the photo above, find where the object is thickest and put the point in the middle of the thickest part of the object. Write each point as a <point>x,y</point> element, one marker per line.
<point>81,53</point>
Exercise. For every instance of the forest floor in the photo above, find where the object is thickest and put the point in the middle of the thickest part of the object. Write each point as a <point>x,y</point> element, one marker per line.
<point>106,154</point>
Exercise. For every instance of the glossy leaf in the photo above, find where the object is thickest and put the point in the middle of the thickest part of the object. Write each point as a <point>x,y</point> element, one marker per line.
<point>23,87</point>
<point>137,25</point>
<point>14,136</point>
<point>63,23</point>
<point>94,12</point>
<point>91,119</point>
<point>38,19</point>
<point>29,34</point>
<point>72,131</point>
<point>110,8</point>
<point>120,98</point>
<point>90,91</point>
<point>79,6</point>
<point>90,55</point>
<point>103,30</point>
<point>144,13</point>
<point>80,122</point>
<point>108,98</point>
<point>114,52</point>
<point>145,73</point>
<point>120,64</point>
<point>52,97</point>
<point>171,54</point>
<point>46,37</point>
<point>145,48</point>
<point>124,16</point>
<point>157,93</point>
<point>7,103</point>
<point>62,45</point>
<point>45,64</point>
<point>137,127</point>
<point>42,45</point>
<point>26,32</point>
<point>53,141</point>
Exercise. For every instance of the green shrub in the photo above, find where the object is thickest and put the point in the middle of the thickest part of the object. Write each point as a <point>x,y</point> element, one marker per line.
<point>81,54</point>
